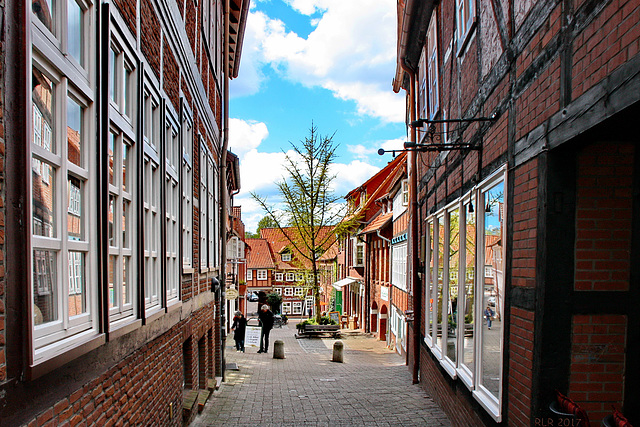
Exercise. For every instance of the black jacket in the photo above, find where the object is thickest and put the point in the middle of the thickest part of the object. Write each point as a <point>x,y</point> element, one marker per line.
<point>239,326</point>
<point>266,319</point>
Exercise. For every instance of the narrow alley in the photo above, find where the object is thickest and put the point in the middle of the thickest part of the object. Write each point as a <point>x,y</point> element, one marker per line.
<point>372,387</point>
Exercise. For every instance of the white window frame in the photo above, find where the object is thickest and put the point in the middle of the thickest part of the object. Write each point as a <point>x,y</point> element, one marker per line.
<point>203,205</point>
<point>286,257</point>
<point>262,275</point>
<point>249,274</point>
<point>465,23</point>
<point>288,292</point>
<point>358,252</point>
<point>212,212</point>
<point>296,307</point>
<point>457,369</point>
<point>49,55</point>
<point>399,265</point>
<point>277,291</point>
<point>405,192</point>
<point>298,291</point>
<point>432,68</point>
<point>152,189</point>
<point>172,202</point>
<point>286,307</point>
<point>187,188</point>
<point>291,277</point>
<point>279,277</point>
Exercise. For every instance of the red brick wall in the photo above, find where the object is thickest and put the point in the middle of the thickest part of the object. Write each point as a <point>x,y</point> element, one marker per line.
<point>128,11</point>
<point>598,363</point>
<point>540,100</point>
<point>550,28</point>
<point>608,42</point>
<point>171,76</point>
<point>603,215</point>
<point>141,387</point>
<point>151,35</point>
<point>525,213</point>
<point>437,384</point>
<point>190,25</point>
<point>520,366</point>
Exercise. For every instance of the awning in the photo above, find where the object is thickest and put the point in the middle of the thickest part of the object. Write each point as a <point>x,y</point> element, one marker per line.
<point>344,282</point>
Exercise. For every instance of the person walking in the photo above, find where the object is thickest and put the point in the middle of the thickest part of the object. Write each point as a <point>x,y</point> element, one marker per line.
<point>488,314</point>
<point>266,321</point>
<point>239,328</point>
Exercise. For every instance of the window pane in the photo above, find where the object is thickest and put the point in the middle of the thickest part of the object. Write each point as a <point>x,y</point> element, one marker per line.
<point>75,223</point>
<point>112,74</point>
<point>74,132</point>
<point>77,294</point>
<point>128,91</point>
<point>43,103</point>
<point>125,165</point>
<point>43,10</point>
<point>43,193</point>
<point>452,309</point>
<point>74,30</point>
<point>126,288</point>
<point>112,158</point>
<point>111,214</point>
<point>467,351</point>
<point>113,302</point>
<point>493,289</point>
<point>440,278</point>
<point>125,221</point>
<point>45,297</point>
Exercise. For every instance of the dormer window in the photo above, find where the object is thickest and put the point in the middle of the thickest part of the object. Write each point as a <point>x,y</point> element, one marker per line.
<point>286,256</point>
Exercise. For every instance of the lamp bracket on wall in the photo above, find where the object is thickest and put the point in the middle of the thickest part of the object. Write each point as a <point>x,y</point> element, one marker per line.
<point>413,146</point>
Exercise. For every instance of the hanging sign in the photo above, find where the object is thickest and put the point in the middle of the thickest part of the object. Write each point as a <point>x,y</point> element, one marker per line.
<point>231,294</point>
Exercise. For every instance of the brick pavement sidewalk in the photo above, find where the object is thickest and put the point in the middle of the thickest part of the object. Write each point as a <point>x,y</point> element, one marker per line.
<point>373,387</point>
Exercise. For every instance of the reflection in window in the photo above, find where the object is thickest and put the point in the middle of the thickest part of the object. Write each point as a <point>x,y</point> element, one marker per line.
<point>430,280</point>
<point>439,289</point>
<point>45,297</point>
<point>43,10</point>
<point>75,31</point>
<point>467,350</point>
<point>452,309</point>
<point>493,288</point>
<point>44,218</point>
<point>74,132</point>
<point>77,296</point>
<point>75,224</point>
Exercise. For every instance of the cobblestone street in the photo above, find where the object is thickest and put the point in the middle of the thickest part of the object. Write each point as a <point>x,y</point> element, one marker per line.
<point>372,387</point>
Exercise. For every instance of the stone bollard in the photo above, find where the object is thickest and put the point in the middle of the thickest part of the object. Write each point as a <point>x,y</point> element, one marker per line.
<point>278,349</point>
<point>338,346</point>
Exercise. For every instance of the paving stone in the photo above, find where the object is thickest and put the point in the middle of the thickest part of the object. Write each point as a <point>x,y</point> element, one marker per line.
<point>372,387</point>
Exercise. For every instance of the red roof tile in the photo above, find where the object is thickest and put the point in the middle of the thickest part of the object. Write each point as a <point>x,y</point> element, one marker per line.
<point>260,255</point>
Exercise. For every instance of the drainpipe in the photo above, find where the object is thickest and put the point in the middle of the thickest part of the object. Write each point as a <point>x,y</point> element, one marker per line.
<point>413,227</point>
<point>223,182</point>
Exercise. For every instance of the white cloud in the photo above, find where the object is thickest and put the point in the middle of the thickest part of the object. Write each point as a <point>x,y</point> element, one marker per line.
<point>245,136</point>
<point>394,144</point>
<point>352,175</point>
<point>351,52</point>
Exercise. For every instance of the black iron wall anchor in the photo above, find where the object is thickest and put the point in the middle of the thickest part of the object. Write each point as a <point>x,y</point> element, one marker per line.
<point>413,146</point>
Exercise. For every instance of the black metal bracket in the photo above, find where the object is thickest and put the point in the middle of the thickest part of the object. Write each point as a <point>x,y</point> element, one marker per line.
<point>413,146</point>
<point>421,122</point>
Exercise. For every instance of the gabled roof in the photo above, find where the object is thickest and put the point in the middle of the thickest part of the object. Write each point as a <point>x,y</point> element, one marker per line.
<point>278,242</point>
<point>260,255</point>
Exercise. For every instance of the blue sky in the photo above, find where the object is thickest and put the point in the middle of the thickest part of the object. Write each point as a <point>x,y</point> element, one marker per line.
<point>327,61</point>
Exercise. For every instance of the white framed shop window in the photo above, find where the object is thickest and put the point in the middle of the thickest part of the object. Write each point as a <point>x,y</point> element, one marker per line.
<point>455,296</point>
<point>172,199</point>
<point>297,307</point>
<point>286,307</point>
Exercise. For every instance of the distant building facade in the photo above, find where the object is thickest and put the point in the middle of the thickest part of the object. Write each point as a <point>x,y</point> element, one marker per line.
<point>114,172</point>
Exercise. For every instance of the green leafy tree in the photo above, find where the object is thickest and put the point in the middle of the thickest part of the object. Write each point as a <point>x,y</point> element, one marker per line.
<point>310,215</point>
<point>275,301</point>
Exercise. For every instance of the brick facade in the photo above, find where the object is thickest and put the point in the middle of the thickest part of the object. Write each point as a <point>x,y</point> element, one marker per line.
<point>561,79</point>
<point>143,367</point>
